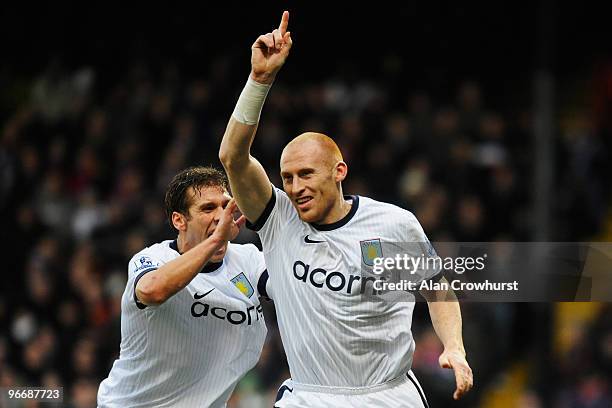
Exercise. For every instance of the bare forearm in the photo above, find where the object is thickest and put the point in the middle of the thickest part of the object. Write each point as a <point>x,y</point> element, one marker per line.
<point>158,286</point>
<point>235,150</point>
<point>446,320</point>
<point>248,179</point>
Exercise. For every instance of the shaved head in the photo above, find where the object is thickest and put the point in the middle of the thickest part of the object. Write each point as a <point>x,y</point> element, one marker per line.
<point>323,146</point>
<point>312,170</point>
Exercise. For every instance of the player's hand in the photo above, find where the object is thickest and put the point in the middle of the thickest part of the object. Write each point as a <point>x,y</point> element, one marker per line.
<point>228,227</point>
<point>463,373</point>
<point>269,52</point>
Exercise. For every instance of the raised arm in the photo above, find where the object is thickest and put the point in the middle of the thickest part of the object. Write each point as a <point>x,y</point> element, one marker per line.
<point>157,286</point>
<point>248,180</point>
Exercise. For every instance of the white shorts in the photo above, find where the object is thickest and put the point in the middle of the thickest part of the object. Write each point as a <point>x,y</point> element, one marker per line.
<point>402,392</point>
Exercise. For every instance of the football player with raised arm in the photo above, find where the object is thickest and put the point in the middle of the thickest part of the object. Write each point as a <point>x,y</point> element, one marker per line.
<point>191,321</point>
<point>342,350</point>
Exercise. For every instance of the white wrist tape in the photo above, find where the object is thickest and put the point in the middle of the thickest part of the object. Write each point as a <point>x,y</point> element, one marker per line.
<point>249,105</point>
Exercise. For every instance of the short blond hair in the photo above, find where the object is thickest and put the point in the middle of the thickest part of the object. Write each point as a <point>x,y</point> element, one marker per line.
<point>327,144</point>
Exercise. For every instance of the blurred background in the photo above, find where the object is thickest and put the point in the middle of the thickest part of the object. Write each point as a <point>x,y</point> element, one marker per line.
<point>488,121</point>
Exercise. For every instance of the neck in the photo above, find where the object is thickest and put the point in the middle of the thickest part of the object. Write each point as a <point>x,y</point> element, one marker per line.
<point>182,244</point>
<point>339,210</point>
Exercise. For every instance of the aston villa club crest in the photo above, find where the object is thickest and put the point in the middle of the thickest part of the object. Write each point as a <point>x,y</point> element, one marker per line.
<point>242,283</point>
<point>370,250</point>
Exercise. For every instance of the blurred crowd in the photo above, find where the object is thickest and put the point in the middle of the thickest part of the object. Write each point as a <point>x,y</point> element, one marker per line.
<point>84,163</point>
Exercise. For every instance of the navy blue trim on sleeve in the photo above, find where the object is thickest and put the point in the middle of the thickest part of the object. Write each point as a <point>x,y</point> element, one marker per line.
<point>256,226</point>
<point>139,304</point>
<point>437,278</point>
<point>261,285</point>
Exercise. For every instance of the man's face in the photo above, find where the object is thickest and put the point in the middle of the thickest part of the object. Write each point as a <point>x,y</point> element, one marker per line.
<point>309,180</point>
<point>206,207</point>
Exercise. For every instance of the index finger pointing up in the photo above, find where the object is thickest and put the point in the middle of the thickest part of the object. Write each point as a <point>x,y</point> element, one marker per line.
<point>284,23</point>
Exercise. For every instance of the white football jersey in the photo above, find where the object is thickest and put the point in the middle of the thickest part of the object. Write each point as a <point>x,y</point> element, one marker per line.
<point>332,335</point>
<point>191,350</point>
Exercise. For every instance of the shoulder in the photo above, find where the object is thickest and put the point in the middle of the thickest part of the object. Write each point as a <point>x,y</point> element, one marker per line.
<point>373,207</point>
<point>279,192</point>
<point>152,255</point>
<point>283,202</point>
<point>278,210</point>
<point>244,256</point>
<point>242,250</point>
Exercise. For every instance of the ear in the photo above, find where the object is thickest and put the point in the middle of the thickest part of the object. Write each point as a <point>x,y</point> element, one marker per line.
<point>341,171</point>
<point>179,221</point>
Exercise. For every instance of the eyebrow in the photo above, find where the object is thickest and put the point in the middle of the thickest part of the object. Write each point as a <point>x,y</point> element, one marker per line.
<point>299,171</point>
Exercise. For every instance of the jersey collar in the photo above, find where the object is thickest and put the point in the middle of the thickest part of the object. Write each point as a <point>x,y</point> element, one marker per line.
<point>209,267</point>
<point>341,222</point>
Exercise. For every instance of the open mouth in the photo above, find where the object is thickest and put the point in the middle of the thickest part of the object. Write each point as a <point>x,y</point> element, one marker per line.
<point>302,202</point>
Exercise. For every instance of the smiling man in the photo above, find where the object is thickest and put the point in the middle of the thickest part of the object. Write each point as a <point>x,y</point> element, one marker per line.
<point>342,350</point>
<point>191,321</point>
